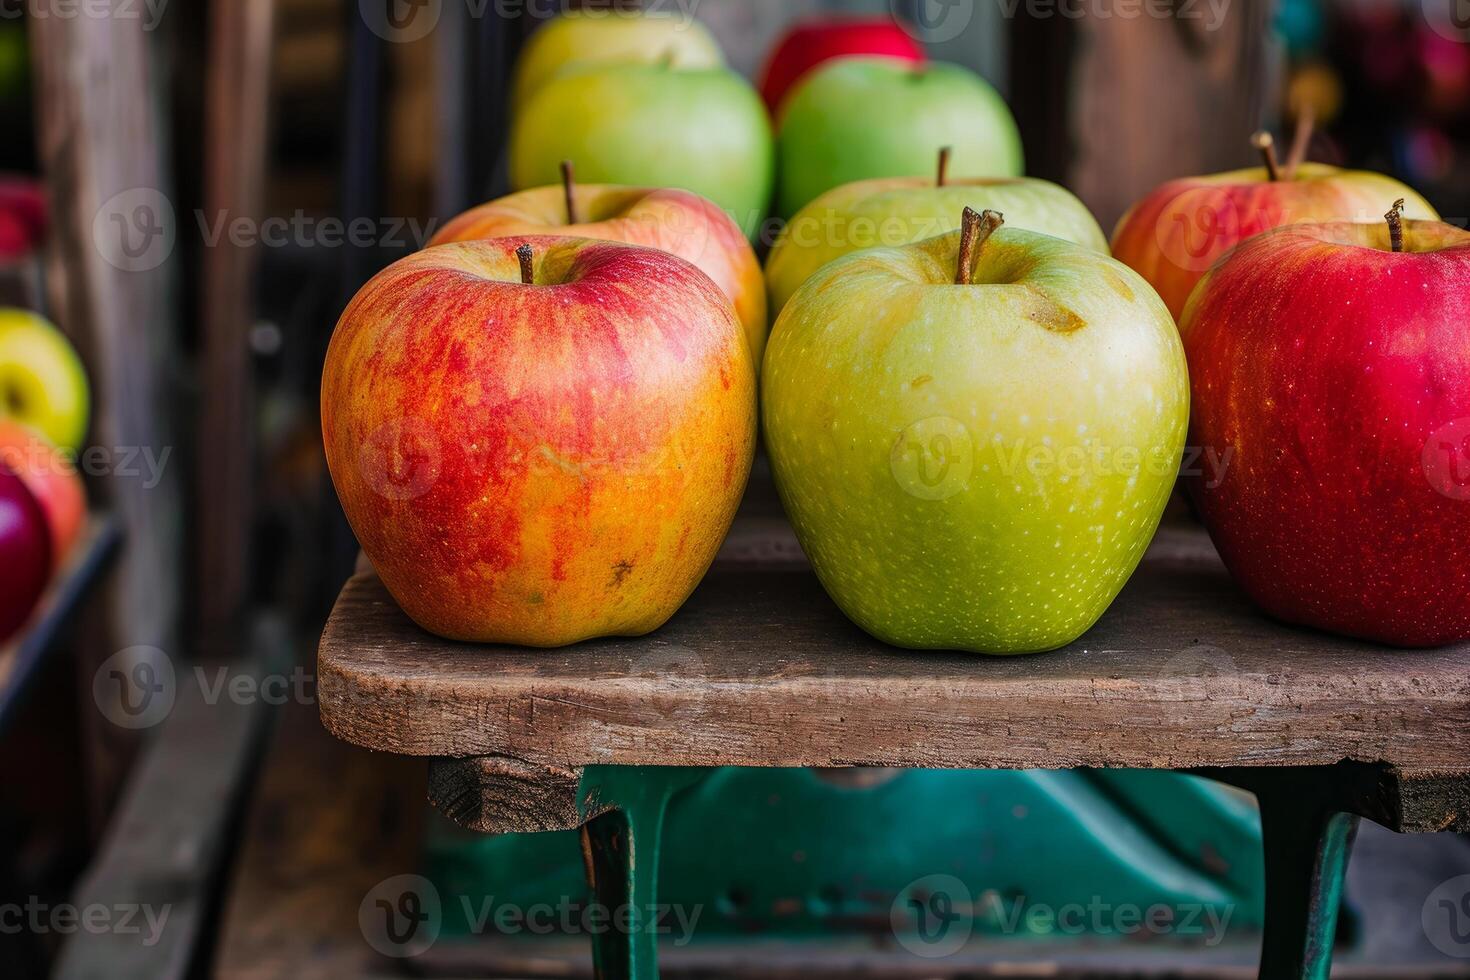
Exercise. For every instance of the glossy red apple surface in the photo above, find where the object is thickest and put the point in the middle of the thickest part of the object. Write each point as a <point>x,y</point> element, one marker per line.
<point>539,462</point>
<point>25,553</point>
<point>812,42</point>
<point>1331,388</point>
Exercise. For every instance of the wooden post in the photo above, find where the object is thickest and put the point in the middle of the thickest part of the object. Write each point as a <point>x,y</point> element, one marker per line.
<point>236,135</point>
<point>103,136</point>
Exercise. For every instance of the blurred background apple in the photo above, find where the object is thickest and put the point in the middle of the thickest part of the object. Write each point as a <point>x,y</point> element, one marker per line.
<point>858,118</point>
<point>815,41</point>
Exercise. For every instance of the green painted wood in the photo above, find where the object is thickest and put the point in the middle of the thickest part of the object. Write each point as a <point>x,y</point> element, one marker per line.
<point>621,848</point>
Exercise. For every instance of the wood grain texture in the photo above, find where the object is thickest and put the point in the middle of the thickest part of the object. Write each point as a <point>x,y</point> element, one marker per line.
<point>760,668</point>
<point>495,794</point>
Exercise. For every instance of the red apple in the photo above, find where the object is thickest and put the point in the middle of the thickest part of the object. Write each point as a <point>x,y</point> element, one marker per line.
<point>676,221</point>
<point>1331,401</point>
<point>809,43</point>
<point>52,478</point>
<point>545,453</point>
<point>25,553</point>
<point>1176,233</point>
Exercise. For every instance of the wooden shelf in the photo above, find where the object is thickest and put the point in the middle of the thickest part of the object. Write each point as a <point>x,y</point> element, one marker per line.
<point>25,652</point>
<point>761,668</point>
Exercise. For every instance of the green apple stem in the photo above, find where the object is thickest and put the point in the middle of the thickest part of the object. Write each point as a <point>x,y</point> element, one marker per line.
<point>943,176</point>
<point>1300,140</point>
<point>527,273</point>
<point>568,187</point>
<point>1263,142</point>
<point>975,229</point>
<point>1395,220</point>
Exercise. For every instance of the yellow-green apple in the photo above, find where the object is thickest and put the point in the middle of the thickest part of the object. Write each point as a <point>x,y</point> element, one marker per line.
<point>592,36</point>
<point>975,442</point>
<point>1173,236</point>
<point>640,125</point>
<point>42,381</point>
<point>859,118</point>
<point>51,476</point>
<point>1331,376</point>
<point>893,211</point>
<point>25,553</point>
<point>539,440</point>
<point>673,220</point>
<point>818,40</point>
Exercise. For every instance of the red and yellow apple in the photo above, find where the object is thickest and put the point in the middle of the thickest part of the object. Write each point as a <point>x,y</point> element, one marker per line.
<point>52,478</point>
<point>1331,383</point>
<point>25,553</point>
<point>539,456</point>
<point>818,40</point>
<point>1176,233</point>
<point>676,221</point>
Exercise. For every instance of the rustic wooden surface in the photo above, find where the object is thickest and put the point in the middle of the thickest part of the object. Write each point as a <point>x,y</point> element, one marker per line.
<point>760,668</point>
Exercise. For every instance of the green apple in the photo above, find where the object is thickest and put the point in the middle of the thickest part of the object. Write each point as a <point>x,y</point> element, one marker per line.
<point>582,36</point>
<point>42,381</point>
<point>858,118</point>
<point>975,460</point>
<point>893,211</point>
<point>702,130</point>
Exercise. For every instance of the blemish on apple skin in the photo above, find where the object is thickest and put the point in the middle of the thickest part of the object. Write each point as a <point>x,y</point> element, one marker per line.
<point>620,572</point>
<point>921,380</point>
<point>1120,286</point>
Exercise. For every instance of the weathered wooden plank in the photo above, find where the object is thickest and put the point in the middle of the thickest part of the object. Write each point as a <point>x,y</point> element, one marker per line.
<point>236,138</point>
<point>165,846</point>
<point>760,668</point>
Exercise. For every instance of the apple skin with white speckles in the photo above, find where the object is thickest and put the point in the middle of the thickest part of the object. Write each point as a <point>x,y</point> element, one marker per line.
<point>1332,377</point>
<point>975,467</point>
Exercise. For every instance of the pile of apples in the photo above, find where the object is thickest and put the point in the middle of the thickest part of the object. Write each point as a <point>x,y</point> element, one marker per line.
<point>975,408</point>
<point>44,406</point>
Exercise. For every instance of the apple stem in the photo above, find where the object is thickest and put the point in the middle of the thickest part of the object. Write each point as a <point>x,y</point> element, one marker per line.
<point>975,229</point>
<point>1262,141</point>
<point>568,186</point>
<point>1300,140</point>
<point>527,273</point>
<point>1395,220</point>
<point>943,176</point>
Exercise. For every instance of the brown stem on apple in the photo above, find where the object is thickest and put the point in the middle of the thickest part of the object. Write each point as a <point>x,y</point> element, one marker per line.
<point>1262,141</point>
<point>527,273</point>
<point>943,176</point>
<point>975,229</point>
<point>1395,220</point>
<point>568,187</point>
<point>1300,140</point>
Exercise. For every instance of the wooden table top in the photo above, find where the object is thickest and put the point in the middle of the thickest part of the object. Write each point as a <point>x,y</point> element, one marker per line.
<point>761,668</point>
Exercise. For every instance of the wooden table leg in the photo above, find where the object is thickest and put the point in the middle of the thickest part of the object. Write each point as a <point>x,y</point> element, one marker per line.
<point>621,848</point>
